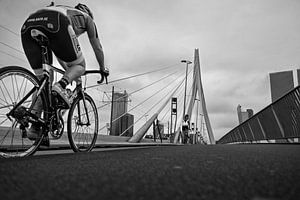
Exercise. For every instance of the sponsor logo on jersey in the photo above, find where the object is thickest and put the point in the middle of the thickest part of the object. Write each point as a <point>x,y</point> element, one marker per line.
<point>76,44</point>
<point>38,19</point>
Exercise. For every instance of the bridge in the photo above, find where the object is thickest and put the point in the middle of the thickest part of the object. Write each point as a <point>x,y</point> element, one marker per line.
<point>145,158</point>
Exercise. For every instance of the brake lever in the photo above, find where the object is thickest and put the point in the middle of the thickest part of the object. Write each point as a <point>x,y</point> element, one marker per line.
<point>102,79</point>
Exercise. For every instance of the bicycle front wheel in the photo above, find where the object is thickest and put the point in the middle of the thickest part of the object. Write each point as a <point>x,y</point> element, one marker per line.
<point>83,124</point>
<point>18,85</point>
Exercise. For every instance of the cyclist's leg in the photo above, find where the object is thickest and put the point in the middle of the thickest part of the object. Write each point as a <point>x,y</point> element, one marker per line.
<point>66,47</point>
<point>72,70</point>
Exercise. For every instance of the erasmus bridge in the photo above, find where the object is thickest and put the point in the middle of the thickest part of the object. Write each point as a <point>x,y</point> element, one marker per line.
<point>139,153</point>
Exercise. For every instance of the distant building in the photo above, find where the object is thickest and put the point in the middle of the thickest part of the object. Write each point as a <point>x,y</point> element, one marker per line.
<point>281,83</point>
<point>121,122</point>
<point>127,125</point>
<point>243,115</point>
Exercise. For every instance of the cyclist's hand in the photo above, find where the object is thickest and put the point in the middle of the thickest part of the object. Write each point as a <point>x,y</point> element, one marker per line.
<point>104,74</point>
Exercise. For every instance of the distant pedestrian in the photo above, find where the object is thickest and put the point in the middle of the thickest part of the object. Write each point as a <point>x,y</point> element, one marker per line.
<point>185,129</point>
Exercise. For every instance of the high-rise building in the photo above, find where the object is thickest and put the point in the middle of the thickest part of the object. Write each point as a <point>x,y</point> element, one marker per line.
<point>127,125</point>
<point>281,83</point>
<point>122,122</point>
<point>243,115</point>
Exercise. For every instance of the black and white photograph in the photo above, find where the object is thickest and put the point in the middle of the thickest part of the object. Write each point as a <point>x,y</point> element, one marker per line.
<point>158,99</point>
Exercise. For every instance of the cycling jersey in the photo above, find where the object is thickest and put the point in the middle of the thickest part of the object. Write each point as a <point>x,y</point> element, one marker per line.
<point>62,25</point>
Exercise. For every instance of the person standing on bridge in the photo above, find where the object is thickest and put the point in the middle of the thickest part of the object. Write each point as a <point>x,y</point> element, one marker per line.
<point>185,129</point>
<point>62,25</point>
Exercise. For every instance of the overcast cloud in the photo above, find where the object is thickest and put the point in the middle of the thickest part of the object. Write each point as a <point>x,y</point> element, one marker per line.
<point>240,42</point>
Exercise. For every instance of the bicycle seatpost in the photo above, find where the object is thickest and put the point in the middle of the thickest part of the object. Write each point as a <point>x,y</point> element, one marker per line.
<point>43,42</point>
<point>47,69</point>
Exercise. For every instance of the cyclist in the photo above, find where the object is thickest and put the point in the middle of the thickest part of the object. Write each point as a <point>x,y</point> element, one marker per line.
<point>61,25</point>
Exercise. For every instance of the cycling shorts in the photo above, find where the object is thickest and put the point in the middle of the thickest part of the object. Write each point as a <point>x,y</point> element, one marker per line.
<point>62,38</point>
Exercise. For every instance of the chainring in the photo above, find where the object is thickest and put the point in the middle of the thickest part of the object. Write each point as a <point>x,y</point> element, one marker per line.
<point>57,125</point>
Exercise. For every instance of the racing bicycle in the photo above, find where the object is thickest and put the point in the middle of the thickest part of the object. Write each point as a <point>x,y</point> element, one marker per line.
<point>20,90</point>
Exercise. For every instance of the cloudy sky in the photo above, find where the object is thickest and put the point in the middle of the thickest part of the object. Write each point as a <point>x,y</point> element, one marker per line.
<point>240,43</point>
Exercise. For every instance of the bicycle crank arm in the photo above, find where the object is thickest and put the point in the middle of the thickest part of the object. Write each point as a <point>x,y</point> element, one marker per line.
<point>34,119</point>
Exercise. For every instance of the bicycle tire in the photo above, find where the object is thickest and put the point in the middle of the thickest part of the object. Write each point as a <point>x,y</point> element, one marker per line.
<point>15,84</point>
<point>77,129</point>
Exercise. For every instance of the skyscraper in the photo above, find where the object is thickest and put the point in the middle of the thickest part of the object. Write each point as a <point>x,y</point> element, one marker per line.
<point>243,115</point>
<point>121,120</point>
<point>281,83</point>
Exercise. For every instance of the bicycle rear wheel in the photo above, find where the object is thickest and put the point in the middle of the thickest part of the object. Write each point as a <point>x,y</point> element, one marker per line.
<point>83,124</point>
<point>16,83</point>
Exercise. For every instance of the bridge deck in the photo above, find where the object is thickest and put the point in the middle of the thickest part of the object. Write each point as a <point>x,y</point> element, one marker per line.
<point>168,172</point>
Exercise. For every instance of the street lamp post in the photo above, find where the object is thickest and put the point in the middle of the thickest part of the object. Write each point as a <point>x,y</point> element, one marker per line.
<point>186,72</point>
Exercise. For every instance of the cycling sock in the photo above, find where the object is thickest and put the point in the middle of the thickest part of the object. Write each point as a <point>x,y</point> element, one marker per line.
<point>63,82</point>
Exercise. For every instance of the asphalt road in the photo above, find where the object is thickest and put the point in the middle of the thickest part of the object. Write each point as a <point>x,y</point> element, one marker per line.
<point>97,149</point>
<point>253,172</point>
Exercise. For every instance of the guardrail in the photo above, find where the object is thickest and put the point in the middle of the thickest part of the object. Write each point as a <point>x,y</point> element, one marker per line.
<point>279,120</point>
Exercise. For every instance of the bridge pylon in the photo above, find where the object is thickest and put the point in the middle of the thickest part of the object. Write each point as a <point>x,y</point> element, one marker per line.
<point>197,91</point>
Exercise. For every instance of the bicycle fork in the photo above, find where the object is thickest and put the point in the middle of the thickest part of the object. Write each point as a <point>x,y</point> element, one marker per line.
<point>80,91</point>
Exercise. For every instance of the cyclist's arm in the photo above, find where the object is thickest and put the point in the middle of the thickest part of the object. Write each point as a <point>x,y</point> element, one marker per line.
<point>95,42</point>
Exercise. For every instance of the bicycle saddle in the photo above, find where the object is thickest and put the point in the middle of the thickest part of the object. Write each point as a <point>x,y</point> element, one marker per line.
<point>39,36</point>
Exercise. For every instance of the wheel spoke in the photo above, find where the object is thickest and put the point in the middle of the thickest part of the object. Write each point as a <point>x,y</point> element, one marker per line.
<point>19,89</point>
<point>7,92</point>
<point>6,119</point>
<point>4,95</point>
<point>14,85</point>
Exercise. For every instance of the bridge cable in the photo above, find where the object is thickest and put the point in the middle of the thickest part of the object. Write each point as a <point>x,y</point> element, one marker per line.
<point>141,103</point>
<point>151,108</point>
<point>153,83</point>
<point>179,103</point>
<point>179,91</point>
<point>133,76</point>
<point>139,89</point>
<point>12,56</point>
<point>12,47</point>
<point>169,109</point>
<point>179,85</point>
<point>3,27</point>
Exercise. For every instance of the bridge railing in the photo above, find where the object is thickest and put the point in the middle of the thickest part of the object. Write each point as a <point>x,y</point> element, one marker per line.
<point>279,120</point>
